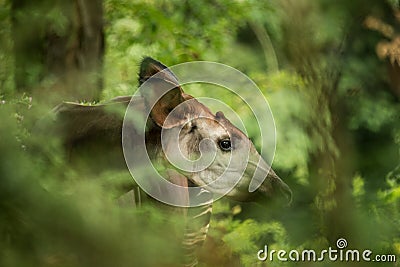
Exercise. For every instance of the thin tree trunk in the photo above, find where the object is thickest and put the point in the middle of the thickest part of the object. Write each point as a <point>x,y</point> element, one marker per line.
<point>59,47</point>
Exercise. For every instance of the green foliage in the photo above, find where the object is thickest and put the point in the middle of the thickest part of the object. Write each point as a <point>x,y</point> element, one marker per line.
<point>6,73</point>
<point>163,29</point>
<point>246,238</point>
<point>53,216</point>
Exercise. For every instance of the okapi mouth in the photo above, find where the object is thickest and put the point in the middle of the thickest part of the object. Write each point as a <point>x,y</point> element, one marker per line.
<point>272,188</point>
<point>275,188</point>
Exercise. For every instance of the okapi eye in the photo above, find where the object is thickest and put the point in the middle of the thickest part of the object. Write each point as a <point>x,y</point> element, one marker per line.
<point>225,145</point>
<point>193,128</point>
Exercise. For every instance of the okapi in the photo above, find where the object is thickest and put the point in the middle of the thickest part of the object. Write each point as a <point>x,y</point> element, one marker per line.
<point>96,131</point>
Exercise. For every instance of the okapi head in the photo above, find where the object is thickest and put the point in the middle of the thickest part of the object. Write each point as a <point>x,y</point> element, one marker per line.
<point>190,131</point>
<point>179,128</point>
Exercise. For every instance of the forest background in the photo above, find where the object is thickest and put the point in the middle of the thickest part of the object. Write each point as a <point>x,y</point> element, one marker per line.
<point>329,70</point>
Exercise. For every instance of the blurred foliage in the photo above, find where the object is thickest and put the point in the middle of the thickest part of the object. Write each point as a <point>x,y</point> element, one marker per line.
<point>52,216</point>
<point>326,70</point>
<point>6,57</point>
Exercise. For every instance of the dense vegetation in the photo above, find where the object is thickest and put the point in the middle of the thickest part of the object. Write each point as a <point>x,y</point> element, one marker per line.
<point>330,72</point>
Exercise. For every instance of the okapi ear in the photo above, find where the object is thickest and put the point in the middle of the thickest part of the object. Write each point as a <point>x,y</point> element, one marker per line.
<point>156,81</point>
<point>150,67</point>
